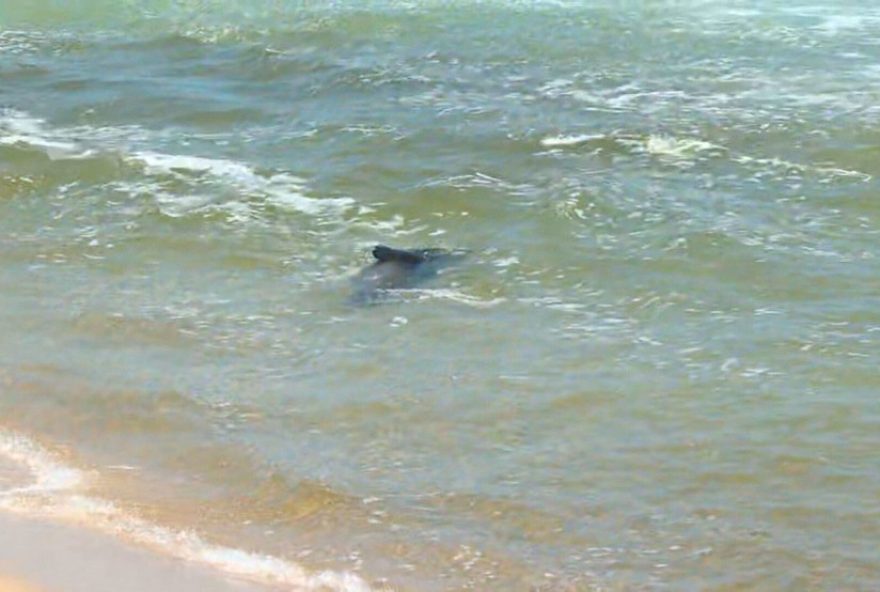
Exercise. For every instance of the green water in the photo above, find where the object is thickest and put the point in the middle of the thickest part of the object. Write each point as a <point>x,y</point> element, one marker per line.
<point>656,370</point>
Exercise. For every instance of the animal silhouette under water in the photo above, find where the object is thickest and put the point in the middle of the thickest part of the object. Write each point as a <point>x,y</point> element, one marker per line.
<point>396,269</point>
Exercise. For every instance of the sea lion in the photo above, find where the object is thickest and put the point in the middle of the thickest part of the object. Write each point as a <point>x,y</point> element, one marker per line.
<point>396,269</point>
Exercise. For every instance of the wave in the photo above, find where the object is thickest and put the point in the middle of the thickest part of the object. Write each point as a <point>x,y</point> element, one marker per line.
<point>200,178</point>
<point>686,152</point>
<point>282,190</point>
<point>47,473</point>
<point>55,492</point>
<point>677,148</point>
<point>190,186</point>
<point>19,128</point>
<point>827,170</point>
<point>570,140</point>
<point>671,148</point>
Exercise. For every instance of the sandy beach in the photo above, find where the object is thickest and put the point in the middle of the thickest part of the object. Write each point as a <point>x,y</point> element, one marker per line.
<point>39,556</point>
<point>10,585</point>
<point>53,539</point>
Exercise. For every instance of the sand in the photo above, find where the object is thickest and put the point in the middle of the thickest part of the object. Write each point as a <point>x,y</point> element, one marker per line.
<point>10,585</point>
<point>39,556</point>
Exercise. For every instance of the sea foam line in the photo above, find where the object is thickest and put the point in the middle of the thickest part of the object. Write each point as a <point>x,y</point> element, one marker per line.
<point>53,493</point>
<point>569,140</point>
<point>17,127</point>
<point>48,474</point>
<point>279,189</point>
<point>684,151</point>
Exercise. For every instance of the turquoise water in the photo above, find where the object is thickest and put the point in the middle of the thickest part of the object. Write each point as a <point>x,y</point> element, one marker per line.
<point>656,370</point>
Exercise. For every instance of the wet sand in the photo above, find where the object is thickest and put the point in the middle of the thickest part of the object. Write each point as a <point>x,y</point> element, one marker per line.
<point>38,556</point>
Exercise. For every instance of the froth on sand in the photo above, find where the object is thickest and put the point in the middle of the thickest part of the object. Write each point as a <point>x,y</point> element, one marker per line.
<point>42,556</point>
<point>46,547</point>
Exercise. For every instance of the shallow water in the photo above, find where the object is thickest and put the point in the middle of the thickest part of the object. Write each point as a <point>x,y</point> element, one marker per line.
<point>657,368</point>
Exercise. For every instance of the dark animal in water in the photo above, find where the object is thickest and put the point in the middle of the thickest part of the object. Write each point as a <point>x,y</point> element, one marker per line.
<point>399,269</point>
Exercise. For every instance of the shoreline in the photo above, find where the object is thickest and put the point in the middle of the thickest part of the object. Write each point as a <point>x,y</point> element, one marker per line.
<point>39,555</point>
<point>54,539</point>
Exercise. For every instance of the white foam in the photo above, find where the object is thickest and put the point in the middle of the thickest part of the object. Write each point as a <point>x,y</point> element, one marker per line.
<point>279,189</point>
<point>685,152</point>
<point>507,261</point>
<point>677,148</point>
<point>47,474</point>
<point>681,150</point>
<point>17,128</point>
<point>106,517</point>
<point>572,140</point>
<point>53,493</point>
<point>282,190</point>
<point>169,163</point>
<point>785,165</point>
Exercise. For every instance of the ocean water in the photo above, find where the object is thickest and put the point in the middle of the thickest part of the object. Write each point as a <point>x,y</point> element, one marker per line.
<point>656,370</point>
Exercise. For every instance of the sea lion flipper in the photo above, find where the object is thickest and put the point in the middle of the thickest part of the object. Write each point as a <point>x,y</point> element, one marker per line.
<point>385,254</point>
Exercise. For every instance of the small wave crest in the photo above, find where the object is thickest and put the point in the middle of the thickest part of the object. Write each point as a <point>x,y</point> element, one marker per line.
<point>45,472</point>
<point>569,140</point>
<point>675,150</point>
<point>19,128</point>
<point>282,190</point>
<point>200,182</point>
<point>686,152</point>
<point>827,171</point>
<point>54,491</point>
